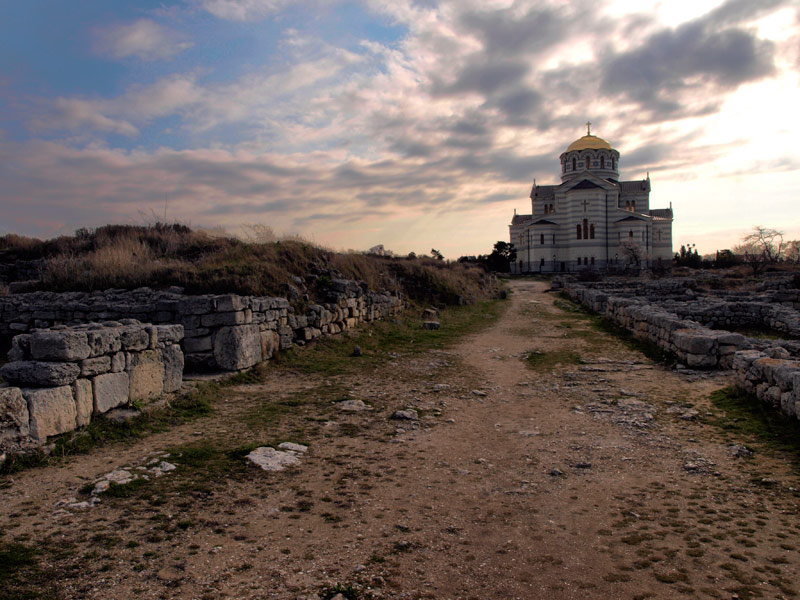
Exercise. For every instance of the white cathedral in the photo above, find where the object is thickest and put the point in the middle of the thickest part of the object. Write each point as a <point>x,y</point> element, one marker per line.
<point>591,220</point>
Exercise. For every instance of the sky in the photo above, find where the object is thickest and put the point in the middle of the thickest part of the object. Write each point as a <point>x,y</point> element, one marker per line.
<point>415,124</point>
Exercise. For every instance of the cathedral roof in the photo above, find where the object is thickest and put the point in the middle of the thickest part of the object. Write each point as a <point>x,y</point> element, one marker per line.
<point>590,142</point>
<point>517,219</point>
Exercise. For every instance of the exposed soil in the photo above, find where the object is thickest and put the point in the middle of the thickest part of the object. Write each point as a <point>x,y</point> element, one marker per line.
<point>584,472</point>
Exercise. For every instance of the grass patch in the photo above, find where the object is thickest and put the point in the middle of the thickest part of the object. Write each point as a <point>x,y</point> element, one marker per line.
<point>125,490</point>
<point>21,575</point>
<point>547,361</point>
<point>745,418</point>
<point>599,323</point>
<point>189,406</point>
<point>382,341</point>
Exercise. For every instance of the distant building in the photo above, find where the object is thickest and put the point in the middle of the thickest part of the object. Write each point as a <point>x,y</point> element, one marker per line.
<point>591,220</point>
<point>379,250</point>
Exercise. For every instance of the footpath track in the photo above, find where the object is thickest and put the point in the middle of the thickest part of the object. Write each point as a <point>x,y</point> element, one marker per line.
<point>548,460</point>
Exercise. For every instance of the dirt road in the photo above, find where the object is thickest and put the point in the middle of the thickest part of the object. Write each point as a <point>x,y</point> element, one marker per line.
<point>549,460</point>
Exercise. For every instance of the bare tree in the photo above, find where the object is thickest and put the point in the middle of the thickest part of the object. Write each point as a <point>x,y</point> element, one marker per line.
<point>792,252</point>
<point>761,247</point>
<point>768,241</point>
<point>632,253</point>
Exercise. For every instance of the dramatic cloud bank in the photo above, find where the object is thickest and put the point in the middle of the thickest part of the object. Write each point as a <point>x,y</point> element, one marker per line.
<point>411,124</point>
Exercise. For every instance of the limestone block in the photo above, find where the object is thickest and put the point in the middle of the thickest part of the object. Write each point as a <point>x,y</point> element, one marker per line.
<point>13,418</point>
<point>270,342</point>
<point>52,411</point>
<point>104,341</point>
<point>237,347</point>
<point>693,341</point>
<point>173,368</point>
<point>169,334</point>
<point>146,373</point>
<point>31,372</point>
<point>787,403</point>
<point>773,395</point>
<point>197,305</point>
<point>110,390</point>
<point>20,348</point>
<point>229,303</point>
<point>118,362</point>
<point>84,401</point>
<point>95,366</point>
<point>701,360</point>
<point>59,345</point>
<point>197,344</point>
<point>784,374</point>
<point>134,337</point>
<point>199,332</point>
<point>223,319</point>
<point>152,332</point>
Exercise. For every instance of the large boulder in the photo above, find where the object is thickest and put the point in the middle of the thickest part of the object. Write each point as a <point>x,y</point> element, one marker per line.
<point>32,372</point>
<point>52,411</point>
<point>173,368</point>
<point>146,372</point>
<point>110,390</point>
<point>237,347</point>
<point>59,345</point>
<point>13,418</point>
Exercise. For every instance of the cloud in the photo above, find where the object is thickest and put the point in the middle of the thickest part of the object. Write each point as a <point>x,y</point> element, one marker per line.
<point>242,10</point>
<point>144,39</point>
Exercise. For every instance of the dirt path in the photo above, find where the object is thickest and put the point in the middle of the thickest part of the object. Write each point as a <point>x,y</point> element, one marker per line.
<point>590,474</point>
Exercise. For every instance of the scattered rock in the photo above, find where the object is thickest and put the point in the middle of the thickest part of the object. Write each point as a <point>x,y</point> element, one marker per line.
<point>121,415</point>
<point>739,451</point>
<point>352,406</point>
<point>408,414</point>
<point>583,465</point>
<point>432,325</point>
<point>357,351</point>
<point>479,393</point>
<point>556,473</point>
<point>292,447</point>
<point>689,415</point>
<point>270,459</point>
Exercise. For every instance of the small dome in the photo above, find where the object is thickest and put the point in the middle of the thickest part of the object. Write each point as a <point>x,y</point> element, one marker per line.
<point>589,142</point>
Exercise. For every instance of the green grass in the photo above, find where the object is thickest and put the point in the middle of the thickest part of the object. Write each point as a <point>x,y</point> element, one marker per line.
<point>21,574</point>
<point>189,406</point>
<point>381,339</point>
<point>599,323</point>
<point>748,420</point>
<point>546,361</point>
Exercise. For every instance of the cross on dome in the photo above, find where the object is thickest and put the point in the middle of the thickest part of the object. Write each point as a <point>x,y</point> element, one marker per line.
<point>588,128</point>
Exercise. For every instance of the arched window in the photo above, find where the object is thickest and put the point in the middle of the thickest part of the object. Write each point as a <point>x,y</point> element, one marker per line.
<point>592,260</point>
<point>613,163</point>
<point>627,205</point>
<point>588,161</point>
<point>579,261</point>
<point>591,231</point>
<point>586,260</point>
<point>579,231</point>
<point>541,238</point>
<point>602,162</point>
<point>585,229</point>
<point>574,163</point>
<point>633,205</point>
<point>541,263</point>
<point>552,208</point>
<point>630,234</point>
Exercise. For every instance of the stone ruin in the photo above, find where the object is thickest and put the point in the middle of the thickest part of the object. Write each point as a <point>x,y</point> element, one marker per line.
<point>61,378</point>
<point>681,318</point>
<point>221,332</point>
<point>77,355</point>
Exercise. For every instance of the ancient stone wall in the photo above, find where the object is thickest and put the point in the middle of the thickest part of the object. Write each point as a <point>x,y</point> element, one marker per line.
<point>693,344</point>
<point>678,319</point>
<point>228,331</point>
<point>61,378</point>
<point>772,377</point>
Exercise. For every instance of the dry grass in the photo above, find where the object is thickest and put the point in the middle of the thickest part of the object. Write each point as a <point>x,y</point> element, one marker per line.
<point>162,255</point>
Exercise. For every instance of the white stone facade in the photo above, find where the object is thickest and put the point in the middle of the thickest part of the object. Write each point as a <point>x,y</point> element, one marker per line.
<point>591,220</point>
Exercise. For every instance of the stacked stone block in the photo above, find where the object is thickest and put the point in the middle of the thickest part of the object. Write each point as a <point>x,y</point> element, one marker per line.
<point>61,378</point>
<point>772,377</point>
<point>693,344</point>
<point>227,332</point>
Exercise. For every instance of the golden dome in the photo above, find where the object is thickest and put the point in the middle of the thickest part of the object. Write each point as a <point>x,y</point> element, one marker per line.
<point>589,142</point>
